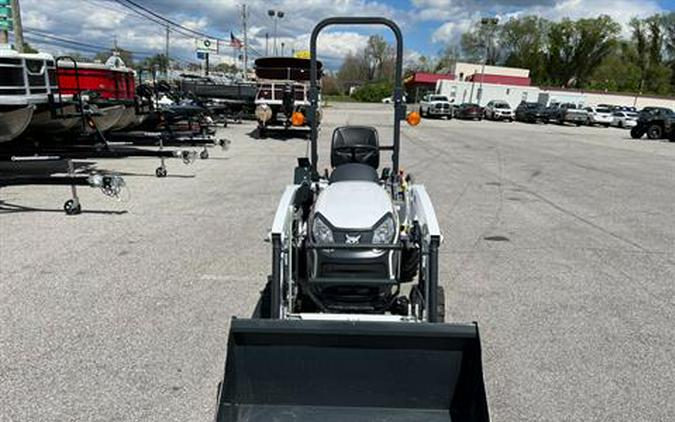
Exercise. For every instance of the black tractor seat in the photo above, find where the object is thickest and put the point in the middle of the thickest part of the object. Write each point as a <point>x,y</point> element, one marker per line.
<point>354,172</point>
<point>355,144</point>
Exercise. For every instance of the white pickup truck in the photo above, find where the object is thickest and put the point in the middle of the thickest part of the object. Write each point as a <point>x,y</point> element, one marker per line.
<point>435,106</point>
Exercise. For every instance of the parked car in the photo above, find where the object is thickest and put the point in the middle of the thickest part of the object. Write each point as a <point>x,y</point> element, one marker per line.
<point>469,111</point>
<point>389,100</point>
<point>530,112</point>
<point>599,116</point>
<point>498,110</point>
<point>435,105</point>
<point>624,119</point>
<point>656,122</point>
<point>567,113</point>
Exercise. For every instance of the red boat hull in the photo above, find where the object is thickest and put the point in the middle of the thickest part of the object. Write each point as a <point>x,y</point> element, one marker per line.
<point>111,84</point>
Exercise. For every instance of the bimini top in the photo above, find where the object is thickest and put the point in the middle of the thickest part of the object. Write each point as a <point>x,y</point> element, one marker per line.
<point>285,68</point>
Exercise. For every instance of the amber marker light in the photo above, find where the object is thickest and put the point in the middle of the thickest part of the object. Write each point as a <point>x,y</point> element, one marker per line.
<point>413,118</point>
<point>297,119</point>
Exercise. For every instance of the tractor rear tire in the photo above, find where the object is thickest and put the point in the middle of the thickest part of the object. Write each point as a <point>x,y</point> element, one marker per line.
<point>636,133</point>
<point>655,132</point>
<point>410,263</point>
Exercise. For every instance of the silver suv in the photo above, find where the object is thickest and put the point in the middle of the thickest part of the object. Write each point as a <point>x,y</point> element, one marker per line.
<point>499,110</point>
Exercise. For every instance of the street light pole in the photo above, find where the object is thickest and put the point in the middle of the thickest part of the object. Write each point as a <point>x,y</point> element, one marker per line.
<point>492,22</point>
<point>275,15</point>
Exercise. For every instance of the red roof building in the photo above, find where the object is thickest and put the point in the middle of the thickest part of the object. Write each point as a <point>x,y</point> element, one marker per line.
<point>419,84</point>
<point>500,79</point>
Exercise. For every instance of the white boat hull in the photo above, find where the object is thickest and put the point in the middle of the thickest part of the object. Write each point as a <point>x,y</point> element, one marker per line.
<point>108,117</point>
<point>44,123</point>
<point>13,123</point>
<point>127,120</point>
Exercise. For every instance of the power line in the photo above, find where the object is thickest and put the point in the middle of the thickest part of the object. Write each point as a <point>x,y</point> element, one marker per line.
<point>40,33</point>
<point>166,20</point>
<point>138,14</point>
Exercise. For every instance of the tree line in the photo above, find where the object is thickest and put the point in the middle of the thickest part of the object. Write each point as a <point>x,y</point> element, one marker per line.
<point>590,53</point>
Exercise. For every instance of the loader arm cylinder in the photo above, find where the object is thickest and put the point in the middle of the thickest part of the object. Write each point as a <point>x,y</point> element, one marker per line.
<point>399,108</point>
<point>275,286</point>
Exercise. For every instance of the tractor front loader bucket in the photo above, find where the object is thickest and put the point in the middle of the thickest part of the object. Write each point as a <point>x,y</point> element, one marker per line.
<point>330,371</point>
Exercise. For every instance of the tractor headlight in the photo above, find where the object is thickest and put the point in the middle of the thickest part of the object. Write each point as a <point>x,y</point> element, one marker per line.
<point>321,232</point>
<point>385,231</point>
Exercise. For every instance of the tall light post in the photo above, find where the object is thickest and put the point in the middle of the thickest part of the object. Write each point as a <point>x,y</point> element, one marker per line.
<point>283,44</point>
<point>492,24</point>
<point>275,15</point>
<point>267,43</point>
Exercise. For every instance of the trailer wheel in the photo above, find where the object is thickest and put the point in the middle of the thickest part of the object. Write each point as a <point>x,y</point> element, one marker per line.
<point>636,133</point>
<point>440,304</point>
<point>160,172</point>
<point>655,132</point>
<point>71,209</point>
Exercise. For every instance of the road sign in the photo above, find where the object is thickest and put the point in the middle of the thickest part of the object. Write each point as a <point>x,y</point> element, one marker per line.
<point>206,45</point>
<point>5,16</point>
<point>302,54</point>
<point>201,55</point>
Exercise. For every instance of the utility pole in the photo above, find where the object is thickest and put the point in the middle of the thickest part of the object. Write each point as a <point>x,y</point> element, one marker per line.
<point>166,51</point>
<point>283,44</point>
<point>267,43</point>
<point>18,28</point>
<point>244,18</point>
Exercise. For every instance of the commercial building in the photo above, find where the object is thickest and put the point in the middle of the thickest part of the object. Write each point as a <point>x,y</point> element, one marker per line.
<point>419,84</point>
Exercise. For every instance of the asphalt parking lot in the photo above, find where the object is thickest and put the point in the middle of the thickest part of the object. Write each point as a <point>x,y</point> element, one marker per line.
<point>559,241</point>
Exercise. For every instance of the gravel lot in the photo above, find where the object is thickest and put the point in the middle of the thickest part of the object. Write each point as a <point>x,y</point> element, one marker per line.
<point>559,241</point>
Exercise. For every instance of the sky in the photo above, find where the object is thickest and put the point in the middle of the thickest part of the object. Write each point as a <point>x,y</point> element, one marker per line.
<point>428,25</point>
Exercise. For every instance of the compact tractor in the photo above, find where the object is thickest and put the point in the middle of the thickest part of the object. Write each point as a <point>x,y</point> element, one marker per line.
<point>350,326</point>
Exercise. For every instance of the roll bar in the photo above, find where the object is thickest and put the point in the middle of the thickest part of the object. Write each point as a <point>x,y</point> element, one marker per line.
<point>399,109</point>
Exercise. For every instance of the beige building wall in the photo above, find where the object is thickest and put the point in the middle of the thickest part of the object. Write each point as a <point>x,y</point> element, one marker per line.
<point>463,70</point>
<point>593,98</point>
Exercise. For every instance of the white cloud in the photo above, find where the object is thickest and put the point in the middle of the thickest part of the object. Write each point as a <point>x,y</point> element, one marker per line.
<point>450,32</point>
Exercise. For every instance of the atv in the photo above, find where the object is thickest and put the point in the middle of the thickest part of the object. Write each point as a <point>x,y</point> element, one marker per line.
<point>348,326</point>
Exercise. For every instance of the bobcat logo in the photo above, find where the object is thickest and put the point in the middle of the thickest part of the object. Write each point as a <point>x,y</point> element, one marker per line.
<point>352,240</point>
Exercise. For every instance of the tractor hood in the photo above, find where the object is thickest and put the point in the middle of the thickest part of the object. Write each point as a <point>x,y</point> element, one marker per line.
<point>354,205</point>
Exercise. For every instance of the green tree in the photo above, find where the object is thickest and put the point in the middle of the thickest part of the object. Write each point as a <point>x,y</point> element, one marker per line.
<point>353,69</point>
<point>523,42</point>
<point>225,68</point>
<point>480,44</point>
<point>577,48</point>
<point>374,92</point>
<point>379,57</point>
<point>668,22</point>
<point>27,48</point>
<point>158,61</point>
<point>447,59</point>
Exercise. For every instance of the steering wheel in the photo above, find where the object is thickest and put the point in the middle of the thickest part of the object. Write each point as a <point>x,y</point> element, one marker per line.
<point>369,149</point>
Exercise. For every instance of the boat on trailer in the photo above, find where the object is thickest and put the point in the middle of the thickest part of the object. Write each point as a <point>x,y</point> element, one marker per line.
<point>25,83</point>
<point>109,88</point>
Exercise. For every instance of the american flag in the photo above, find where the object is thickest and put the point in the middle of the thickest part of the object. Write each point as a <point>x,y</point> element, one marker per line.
<point>235,42</point>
